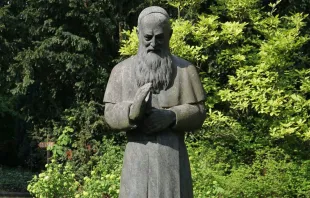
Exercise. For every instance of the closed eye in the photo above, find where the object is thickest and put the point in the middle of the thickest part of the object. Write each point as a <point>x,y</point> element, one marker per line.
<point>148,37</point>
<point>160,36</point>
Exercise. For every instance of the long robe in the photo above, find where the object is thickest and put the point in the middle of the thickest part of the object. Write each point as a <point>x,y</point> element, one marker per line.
<point>156,165</point>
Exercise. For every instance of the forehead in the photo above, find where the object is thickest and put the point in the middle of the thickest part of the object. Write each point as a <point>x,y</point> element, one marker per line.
<point>154,22</point>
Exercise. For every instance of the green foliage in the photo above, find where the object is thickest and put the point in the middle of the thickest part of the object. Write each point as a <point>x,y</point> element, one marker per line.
<point>237,9</point>
<point>11,41</point>
<point>261,82</point>
<point>104,178</point>
<point>78,136</point>
<point>14,179</point>
<point>253,65</point>
<point>61,180</point>
<point>57,181</point>
<point>253,60</point>
<point>182,29</point>
<point>205,31</point>
<point>271,86</point>
<point>131,42</point>
<point>189,7</point>
<point>271,174</point>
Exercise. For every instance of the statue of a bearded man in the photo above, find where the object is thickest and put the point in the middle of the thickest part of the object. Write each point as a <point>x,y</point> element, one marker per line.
<point>155,97</point>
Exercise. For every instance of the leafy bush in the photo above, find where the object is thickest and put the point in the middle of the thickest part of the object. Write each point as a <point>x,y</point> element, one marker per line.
<point>272,173</point>
<point>61,179</point>
<point>104,179</point>
<point>253,64</point>
<point>57,181</point>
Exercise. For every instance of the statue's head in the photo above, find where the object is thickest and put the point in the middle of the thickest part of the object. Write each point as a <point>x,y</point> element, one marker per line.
<point>154,30</point>
<point>154,63</point>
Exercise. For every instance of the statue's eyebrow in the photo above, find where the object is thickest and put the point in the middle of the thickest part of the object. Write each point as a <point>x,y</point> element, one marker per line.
<point>159,35</point>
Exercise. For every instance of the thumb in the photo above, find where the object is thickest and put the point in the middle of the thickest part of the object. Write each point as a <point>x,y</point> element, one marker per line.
<point>147,96</point>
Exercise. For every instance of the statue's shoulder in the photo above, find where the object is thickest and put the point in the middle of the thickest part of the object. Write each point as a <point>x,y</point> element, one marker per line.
<point>122,71</point>
<point>183,64</point>
<point>126,64</point>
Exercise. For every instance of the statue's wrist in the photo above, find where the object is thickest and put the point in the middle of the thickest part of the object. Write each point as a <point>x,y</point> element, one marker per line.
<point>132,117</point>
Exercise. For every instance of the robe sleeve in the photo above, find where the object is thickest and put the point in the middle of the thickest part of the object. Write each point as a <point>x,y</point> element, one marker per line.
<point>116,111</point>
<point>113,92</point>
<point>189,117</point>
<point>117,115</point>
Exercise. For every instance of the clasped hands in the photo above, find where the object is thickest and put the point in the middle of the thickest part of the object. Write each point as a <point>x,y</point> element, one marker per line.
<point>154,120</point>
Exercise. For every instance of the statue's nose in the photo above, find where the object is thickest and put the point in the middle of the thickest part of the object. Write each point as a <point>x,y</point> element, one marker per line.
<point>153,42</point>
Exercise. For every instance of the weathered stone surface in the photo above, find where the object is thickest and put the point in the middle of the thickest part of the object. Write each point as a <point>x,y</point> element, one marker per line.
<point>155,97</point>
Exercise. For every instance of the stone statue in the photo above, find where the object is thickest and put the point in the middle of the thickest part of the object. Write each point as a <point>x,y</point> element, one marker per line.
<point>155,97</point>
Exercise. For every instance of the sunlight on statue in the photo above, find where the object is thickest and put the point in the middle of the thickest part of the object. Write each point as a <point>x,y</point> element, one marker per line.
<point>155,97</point>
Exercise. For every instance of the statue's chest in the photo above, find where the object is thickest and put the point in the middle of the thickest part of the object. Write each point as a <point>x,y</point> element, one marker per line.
<point>165,98</point>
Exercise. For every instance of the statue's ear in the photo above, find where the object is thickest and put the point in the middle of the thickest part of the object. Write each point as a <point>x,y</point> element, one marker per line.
<point>171,31</point>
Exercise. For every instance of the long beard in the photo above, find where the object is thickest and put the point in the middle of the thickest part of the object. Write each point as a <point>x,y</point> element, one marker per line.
<point>154,68</point>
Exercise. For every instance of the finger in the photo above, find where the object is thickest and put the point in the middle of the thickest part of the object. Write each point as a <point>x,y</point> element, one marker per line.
<point>147,85</point>
<point>144,94</point>
<point>147,97</point>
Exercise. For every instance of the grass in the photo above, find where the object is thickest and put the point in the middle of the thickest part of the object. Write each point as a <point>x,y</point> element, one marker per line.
<point>14,179</point>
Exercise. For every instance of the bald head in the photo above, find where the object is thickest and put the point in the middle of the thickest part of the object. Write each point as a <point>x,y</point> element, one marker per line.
<point>153,10</point>
<point>154,30</point>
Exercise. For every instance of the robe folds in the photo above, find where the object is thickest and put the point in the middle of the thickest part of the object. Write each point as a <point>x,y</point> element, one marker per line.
<point>156,165</point>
